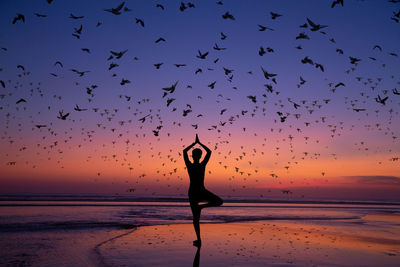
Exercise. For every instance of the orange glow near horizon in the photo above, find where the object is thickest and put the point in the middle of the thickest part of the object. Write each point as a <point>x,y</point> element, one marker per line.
<point>321,111</point>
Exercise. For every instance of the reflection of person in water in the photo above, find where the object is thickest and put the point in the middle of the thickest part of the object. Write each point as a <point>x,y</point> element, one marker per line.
<point>197,192</point>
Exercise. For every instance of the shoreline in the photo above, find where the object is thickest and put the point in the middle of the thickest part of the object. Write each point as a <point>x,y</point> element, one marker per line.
<point>118,199</point>
<point>96,248</point>
<point>55,248</point>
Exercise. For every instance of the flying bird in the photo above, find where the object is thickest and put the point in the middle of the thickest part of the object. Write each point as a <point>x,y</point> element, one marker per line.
<point>337,2</point>
<point>262,28</point>
<point>381,100</point>
<point>261,51</point>
<point>275,15</point>
<point>216,47</point>
<point>302,35</point>
<point>117,10</point>
<point>212,85</point>
<point>354,60</point>
<point>202,56</point>
<point>223,36</point>
<point>18,17</point>
<point>160,40</point>
<point>267,75</point>
<point>40,15</point>
<point>227,15</point>
<point>140,22</point>
<point>77,108</point>
<point>62,116</point>
<point>314,26</point>
<point>72,16</point>
<point>158,65</point>
<point>171,89</point>
<point>21,100</point>
<point>118,55</point>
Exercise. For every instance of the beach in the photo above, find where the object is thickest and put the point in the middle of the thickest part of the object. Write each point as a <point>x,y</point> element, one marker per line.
<point>55,248</point>
<point>268,243</point>
<point>85,233</point>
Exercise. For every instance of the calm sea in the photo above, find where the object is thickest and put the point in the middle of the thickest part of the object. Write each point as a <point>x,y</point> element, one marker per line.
<point>55,213</point>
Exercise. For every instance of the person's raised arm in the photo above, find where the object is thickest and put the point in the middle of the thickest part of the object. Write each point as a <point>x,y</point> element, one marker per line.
<point>185,154</point>
<point>208,155</point>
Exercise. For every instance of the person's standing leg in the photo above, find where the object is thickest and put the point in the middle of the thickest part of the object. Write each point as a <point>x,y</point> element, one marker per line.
<point>196,211</point>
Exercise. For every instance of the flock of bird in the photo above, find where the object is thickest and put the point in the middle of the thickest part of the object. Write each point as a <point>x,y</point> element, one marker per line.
<point>281,121</point>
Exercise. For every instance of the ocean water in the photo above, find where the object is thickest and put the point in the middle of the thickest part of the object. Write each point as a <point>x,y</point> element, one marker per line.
<point>68,231</point>
<point>47,215</point>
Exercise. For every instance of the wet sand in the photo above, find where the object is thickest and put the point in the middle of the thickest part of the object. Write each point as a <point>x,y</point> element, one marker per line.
<point>373,240</point>
<point>265,243</point>
<point>54,248</point>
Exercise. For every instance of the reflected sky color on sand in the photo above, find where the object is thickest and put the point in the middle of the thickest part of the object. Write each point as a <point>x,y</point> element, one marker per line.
<point>258,244</point>
<point>242,234</point>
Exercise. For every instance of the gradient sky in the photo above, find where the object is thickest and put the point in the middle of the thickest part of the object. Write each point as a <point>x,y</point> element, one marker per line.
<point>323,149</point>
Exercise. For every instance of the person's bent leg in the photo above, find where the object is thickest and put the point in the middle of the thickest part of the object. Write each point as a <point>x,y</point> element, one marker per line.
<point>212,200</point>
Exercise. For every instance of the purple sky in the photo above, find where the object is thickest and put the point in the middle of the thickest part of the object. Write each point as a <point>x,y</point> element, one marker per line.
<point>337,130</point>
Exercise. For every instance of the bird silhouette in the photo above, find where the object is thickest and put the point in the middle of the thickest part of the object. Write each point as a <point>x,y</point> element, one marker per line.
<point>160,6</point>
<point>202,56</point>
<point>140,22</point>
<point>267,75</point>
<point>223,36</point>
<point>118,55</point>
<point>337,2</point>
<point>62,116</point>
<point>21,100</point>
<point>262,28</point>
<point>227,15</point>
<point>158,65</point>
<point>160,40</point>
<point>171,89</point>
<point>274,15</point>
<point>72,16</point>
<point>117,10</point>
<point>212,85</point>
<point>381,100</point>
<point>40,15</point>
<point>314,26</point>
<point>20,17</point>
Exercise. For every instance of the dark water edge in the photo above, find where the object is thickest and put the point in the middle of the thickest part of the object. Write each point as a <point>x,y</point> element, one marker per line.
<point>65,226</point>
<point>178,199</point>
<point>33,213</point>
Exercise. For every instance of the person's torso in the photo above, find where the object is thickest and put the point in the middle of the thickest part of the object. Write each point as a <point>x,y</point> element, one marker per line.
<point>196,174</point>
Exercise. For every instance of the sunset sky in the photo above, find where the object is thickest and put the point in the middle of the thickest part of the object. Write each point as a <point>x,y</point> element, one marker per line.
<point>331,139</point>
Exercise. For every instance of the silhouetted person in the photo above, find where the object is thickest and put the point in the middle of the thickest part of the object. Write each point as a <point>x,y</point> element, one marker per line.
<point>197,191</point>
<point>196,261</point>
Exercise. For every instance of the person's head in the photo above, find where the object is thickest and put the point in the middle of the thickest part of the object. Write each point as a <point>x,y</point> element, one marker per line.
<point>196,154</point>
